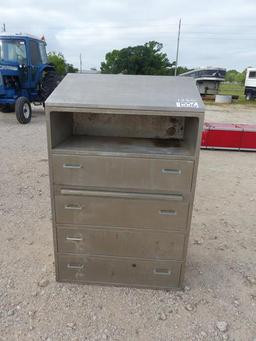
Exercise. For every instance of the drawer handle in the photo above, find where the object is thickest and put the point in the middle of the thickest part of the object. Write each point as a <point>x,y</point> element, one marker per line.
<point>74,239</point>
<point>65,191</point>
<point>73,207</point>
<point>75,267</point>
<point>171,171</point>
<point>162,272</point>
<point>168,212</point>
<point>72,165</point>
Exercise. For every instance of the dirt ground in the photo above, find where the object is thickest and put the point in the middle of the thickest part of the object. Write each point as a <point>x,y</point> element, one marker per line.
<point>219,300</point>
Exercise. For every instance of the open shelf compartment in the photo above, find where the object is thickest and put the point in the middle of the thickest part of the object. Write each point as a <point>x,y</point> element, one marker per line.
<point>94,133</point>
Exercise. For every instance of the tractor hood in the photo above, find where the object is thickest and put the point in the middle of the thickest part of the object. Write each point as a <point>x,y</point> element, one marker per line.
<point>9,68</point>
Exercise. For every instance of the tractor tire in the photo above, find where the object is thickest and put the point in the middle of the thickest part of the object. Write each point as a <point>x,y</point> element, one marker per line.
<point>48,84</point>
<point>23,110</point>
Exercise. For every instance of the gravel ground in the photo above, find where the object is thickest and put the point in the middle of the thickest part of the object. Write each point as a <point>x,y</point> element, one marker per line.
<point>219,300</point>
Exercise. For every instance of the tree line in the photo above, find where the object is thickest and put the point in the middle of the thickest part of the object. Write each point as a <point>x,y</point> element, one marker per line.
<point>146,59</point>
<point>234,76</point>
<point>62,67</point>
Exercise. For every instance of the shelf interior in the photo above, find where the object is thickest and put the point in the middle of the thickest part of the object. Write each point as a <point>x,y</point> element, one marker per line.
<point>134,135</point>
<point>101,144</point>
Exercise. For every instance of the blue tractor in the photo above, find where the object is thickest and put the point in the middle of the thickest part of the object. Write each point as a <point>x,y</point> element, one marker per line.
<point>26,76</point>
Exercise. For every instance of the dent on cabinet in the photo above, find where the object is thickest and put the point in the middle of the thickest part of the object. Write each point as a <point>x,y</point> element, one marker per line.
<point>123,157</point>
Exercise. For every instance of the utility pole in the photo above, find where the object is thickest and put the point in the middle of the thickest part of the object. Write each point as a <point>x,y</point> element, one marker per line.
<point>3,28</point>
<point>81,63</point>
<point>177,51</point>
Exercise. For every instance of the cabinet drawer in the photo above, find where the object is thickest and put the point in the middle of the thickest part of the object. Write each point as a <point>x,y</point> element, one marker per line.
<point>124,173</point>
<point>119,271</point>
<point>120,242</point>
<point>166,212</point>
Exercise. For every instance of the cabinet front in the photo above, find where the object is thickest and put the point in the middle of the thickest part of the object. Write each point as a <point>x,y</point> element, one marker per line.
<point>121,242</point>
<point>118,210</point>
<point>123,173</point>
<point>103,270</point>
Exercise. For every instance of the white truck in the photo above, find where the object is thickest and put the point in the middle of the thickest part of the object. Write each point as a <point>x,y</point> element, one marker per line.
<point>250,83</point>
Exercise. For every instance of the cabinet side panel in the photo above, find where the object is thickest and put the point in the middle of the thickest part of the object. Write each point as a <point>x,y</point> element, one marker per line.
<point>50,163</point>
<point>196,127</point>
<point>61,127</point>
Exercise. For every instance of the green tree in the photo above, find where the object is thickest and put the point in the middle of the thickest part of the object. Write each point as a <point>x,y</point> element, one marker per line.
<point>70,68</point>
<point>61,66</point>
<point>180,70</point>
<point>240,78</point>
<point>144,59</point>
<point>234,76</point>
<point>231,75</point>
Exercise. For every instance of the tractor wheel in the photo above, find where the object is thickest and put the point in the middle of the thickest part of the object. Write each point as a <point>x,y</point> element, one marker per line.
<point>23,110</point>
<point>48,84</point>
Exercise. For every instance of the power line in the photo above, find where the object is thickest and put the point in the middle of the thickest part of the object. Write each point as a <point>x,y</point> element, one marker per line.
<point>151,24</point>
<point>220,38</point>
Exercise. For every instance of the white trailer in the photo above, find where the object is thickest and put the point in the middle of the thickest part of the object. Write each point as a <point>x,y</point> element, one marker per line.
<point>250,83</point>
<point>207,79</point>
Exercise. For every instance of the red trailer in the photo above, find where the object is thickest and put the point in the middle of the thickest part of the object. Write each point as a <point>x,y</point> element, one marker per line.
<point>229,136</point>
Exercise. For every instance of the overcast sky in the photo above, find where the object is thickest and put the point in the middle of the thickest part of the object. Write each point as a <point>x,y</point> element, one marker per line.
<point>213,33</point>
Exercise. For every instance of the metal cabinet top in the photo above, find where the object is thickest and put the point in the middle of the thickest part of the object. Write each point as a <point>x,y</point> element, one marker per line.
<point>133,92</point>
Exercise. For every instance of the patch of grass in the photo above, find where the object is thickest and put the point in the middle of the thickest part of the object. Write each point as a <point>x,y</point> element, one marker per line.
<point>231,89</point>
<point>234,90</point>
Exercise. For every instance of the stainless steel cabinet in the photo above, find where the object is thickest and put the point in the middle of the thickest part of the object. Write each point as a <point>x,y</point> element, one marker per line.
<point>123,157</point>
